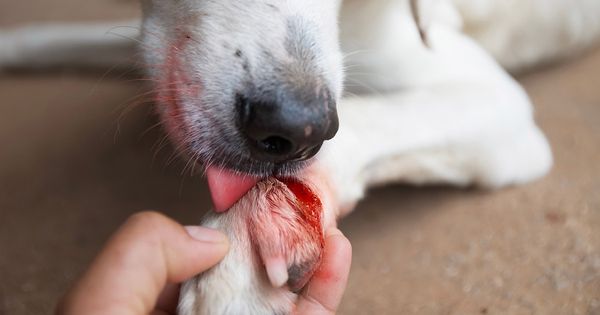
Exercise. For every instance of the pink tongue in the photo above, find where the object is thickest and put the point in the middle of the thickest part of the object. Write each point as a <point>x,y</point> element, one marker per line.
<point>227,187</point>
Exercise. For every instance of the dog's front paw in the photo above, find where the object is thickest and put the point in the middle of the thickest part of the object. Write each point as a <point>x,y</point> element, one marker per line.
<point>276,236</point>
<point>287,232</point>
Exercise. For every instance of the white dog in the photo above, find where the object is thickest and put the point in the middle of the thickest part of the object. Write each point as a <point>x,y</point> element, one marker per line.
<point>248,89</point>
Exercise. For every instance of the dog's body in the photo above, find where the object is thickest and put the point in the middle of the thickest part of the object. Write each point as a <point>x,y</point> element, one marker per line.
<point>441,112</point>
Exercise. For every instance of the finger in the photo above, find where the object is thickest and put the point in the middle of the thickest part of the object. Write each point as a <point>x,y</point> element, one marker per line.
<point>326,288</point>
<point>147,252</point>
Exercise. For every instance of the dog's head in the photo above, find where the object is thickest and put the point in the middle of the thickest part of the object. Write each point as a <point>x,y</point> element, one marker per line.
<point>248,86</point>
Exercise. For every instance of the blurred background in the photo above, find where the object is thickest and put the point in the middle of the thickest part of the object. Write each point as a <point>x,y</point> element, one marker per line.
<point>76,160</point>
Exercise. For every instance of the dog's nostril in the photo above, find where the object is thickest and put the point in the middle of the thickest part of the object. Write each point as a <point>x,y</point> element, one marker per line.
<point>276,145</point>
<point>287,127</point>
<point>306,153</point>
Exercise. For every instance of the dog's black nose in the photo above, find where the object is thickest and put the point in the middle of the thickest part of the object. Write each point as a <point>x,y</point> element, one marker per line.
<point>288,127</point>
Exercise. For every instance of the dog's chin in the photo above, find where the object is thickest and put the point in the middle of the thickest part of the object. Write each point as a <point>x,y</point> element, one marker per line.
<point>266,169</point>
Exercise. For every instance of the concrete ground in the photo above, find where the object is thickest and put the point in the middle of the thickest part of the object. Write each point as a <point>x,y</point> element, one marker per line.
<point>72,169</point>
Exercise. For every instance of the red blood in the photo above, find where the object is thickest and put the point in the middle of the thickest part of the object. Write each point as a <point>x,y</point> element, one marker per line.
<point>309,208</point>
<point>300,241</point>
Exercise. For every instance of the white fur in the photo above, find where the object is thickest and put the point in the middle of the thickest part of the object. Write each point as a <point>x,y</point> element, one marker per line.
<point>448,114</point>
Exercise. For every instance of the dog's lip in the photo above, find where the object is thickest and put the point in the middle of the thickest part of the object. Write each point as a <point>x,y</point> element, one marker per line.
<point>227,186</point>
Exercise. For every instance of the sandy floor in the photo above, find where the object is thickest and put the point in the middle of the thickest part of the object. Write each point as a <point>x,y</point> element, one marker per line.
<point>71,170</point>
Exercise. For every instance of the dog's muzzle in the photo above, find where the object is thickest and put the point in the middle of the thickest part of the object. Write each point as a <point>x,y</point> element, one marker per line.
<point>288,125</point>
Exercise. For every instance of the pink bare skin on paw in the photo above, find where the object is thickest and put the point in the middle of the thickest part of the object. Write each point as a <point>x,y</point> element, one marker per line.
<point>288,232</point>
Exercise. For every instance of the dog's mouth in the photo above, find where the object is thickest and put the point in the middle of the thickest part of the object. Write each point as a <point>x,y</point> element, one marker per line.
<point>227,186</point>
<point>243,134</point>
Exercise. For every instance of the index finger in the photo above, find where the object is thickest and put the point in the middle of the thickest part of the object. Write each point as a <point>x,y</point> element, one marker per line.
<point>326,288</point>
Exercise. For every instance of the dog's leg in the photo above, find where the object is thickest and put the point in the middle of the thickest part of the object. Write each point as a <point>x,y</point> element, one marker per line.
<point>458,133</point>
<point>277,241</point>
<point>455,118</point>
<point>526,33</point>
<point>102,46</point>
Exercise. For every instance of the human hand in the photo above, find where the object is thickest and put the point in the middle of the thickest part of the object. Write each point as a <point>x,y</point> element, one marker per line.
<point>140,267</point>
<point>323,294</point>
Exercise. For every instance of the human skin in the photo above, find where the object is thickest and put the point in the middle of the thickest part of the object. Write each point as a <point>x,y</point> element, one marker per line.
<point>140,267</point>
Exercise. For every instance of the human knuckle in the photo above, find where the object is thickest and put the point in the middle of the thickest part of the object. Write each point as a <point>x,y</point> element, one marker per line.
<point>147,218</point>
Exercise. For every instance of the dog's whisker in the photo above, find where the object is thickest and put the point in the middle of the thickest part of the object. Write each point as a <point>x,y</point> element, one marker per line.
<point>143,80</point>
<point>133,39</point>
<point>159,145</point>
<point>365,86</point>
<point>154,126</point>
<point>134,102</point>
<point>356,52</point>
<point>106,73</point>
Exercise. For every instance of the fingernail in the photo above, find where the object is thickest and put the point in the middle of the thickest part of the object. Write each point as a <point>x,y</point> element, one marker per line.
<point>207,235</point>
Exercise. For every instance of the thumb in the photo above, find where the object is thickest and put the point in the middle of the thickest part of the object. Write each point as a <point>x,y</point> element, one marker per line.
<point>147,252</point>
